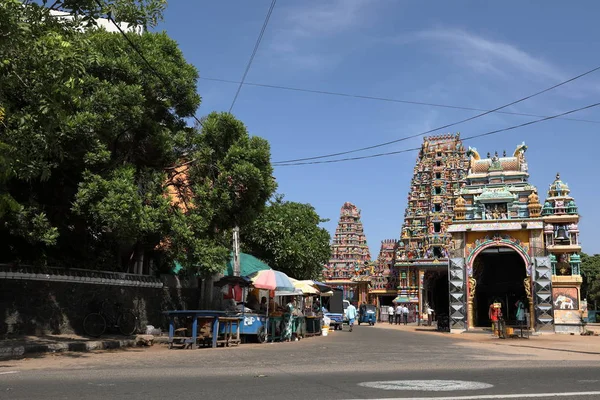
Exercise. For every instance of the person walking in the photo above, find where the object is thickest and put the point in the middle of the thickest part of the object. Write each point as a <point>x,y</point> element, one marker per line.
<point>351,314</point>
<point>391,314</point>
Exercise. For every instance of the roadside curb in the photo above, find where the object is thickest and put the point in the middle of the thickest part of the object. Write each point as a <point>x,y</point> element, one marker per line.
<point>21,351</point>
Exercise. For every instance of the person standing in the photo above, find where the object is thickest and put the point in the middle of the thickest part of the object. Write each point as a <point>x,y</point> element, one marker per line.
<point>405,312</point>
<point>429,315</point>
<point>351,314</point>
<point>391,314</point>
<point>495,314</point>
<point>398,313</point>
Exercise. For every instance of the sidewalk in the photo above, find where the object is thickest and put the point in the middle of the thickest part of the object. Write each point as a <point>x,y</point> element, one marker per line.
<point>553,342</point>
<point>35,345</point>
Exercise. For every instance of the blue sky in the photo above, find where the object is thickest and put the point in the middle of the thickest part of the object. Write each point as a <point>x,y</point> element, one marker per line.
<point>466,53</point>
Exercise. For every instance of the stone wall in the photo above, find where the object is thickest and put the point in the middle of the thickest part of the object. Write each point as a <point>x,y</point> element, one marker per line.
<point>39,308</point>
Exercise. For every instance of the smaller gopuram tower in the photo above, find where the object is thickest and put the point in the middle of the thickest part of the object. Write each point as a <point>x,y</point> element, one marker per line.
<point>348,268</point>
<point>561,235</point>
<point>384,278</point>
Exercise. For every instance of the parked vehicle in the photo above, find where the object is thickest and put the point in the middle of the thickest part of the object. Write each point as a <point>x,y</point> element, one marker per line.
<point>335,309</point>
<point>367,313</point>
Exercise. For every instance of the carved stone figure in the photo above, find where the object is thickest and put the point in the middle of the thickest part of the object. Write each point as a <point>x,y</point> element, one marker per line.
<point>472,286</point>
<point>527,286</point>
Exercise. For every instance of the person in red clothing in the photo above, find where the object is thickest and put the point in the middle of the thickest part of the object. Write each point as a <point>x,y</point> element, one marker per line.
<point>495,313</point>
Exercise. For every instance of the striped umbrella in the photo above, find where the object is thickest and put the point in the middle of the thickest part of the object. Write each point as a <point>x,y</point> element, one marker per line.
<point>271,280</point>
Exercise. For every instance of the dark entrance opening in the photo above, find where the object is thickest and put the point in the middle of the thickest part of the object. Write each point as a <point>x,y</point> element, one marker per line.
<point>437,292</point>
<point>499,272</point>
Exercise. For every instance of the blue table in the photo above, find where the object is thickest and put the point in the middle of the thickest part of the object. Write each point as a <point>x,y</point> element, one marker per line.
<point>195,314</point>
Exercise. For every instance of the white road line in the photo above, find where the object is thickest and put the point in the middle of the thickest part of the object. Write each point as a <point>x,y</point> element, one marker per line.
<point>8,372</point>
<point>497,396</point>
<point>431,385</point>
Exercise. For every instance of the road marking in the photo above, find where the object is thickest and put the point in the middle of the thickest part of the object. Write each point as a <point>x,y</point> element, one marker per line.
<point>8,372</point>
<point>498,396</point>
<point>432,385</point>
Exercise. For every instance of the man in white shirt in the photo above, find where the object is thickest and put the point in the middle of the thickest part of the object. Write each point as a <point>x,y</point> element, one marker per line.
<point>398,314</point>
<point>391,314</point>
<point>351,314</point>
<point>405,315</point>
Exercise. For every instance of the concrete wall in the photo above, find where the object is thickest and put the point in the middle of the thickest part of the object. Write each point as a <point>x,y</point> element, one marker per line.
<point>38,308</point>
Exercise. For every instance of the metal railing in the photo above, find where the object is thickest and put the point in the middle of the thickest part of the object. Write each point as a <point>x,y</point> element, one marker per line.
<point>76,275</point>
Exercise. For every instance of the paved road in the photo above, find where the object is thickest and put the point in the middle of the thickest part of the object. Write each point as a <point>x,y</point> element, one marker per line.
<point>343,365</point>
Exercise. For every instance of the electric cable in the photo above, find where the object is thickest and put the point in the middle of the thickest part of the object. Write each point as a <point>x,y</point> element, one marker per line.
<point>384,99</point>
<point>419,148</point>
<point>441,127</point>
<point>256,46</point>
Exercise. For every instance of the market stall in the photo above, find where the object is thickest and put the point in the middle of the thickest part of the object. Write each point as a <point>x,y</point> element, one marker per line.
<point>277,327</point>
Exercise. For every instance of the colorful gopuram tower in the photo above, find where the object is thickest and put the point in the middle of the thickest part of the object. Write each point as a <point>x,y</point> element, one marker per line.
<point>349,266</point>
<point>384,277</point>
<point>561,235</point>
<point>422,254</point>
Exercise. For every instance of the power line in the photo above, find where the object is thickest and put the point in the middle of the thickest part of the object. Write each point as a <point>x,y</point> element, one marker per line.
<point>139,52</point>
<point>464,139</point>
<point>256,45</point>
<point>441,127</point>
<point>385,99</point>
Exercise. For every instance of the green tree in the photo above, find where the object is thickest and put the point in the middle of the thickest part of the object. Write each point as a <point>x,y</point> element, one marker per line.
<point>230,179</point>
<point>287,236</point>
<point>590,271</point>
<point>91,135</point>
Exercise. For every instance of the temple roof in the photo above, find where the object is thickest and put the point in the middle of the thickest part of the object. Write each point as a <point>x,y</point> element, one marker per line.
<point>514,163</point>
<point>558,188</point>
<point>495,194</point>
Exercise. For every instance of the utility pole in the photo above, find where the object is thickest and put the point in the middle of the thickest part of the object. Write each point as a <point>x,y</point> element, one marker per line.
<point>236,251</point>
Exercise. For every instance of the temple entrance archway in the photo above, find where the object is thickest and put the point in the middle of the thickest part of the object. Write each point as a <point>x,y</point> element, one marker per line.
<point>499,274</point>
<point>436,291</point>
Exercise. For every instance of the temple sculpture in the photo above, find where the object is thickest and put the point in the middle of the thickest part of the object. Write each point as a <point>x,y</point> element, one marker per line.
<point>422,252</point>
<point>561,234</point>
<point>350,265</point>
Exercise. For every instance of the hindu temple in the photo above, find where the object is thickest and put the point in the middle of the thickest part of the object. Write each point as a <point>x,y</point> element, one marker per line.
<point>349,267</point>
<point>476,233</point>
<point>510,250</point>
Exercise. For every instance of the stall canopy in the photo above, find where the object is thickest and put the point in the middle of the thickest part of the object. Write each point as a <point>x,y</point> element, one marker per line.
<point>271,280</point>
<point>248,265</point>
<point>323,287</point>
<point>306,287</point>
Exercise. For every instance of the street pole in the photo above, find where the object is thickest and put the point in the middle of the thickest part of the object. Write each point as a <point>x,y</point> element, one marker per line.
<point>236,251</point>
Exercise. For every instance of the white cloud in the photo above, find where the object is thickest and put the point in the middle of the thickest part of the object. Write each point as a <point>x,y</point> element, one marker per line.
<point>486,55</point>
<point>329,17</point>
<point>300,40</point>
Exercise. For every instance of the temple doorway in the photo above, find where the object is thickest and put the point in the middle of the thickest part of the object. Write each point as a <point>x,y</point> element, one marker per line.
<point>436,292</point>
<point>500,273</point>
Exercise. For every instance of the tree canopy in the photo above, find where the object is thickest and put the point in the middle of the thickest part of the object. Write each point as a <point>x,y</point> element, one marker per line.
<point>590,270</point>
<point>287,236</point>
<point>90,137</point>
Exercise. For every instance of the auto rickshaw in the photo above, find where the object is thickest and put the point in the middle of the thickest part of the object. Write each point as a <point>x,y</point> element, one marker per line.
<point>367,313</point>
